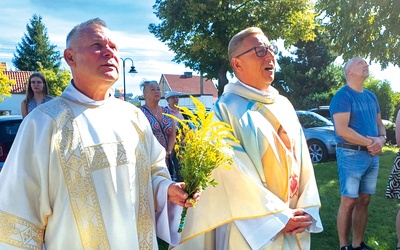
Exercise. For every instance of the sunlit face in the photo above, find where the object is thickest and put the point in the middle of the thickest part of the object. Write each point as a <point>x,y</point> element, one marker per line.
<point>37,85</point>
<point>94,57</point>
<point>359,67</point>
<point>173,101</point>
<point>152,92</point>
<point>258,72</point>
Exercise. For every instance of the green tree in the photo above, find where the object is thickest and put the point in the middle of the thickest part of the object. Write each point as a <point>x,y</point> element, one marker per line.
<point>198,31</point>
<point>396,101</point>
<point>387,101</point>
<point>384,94</point>
<point>308,77</point>
<point>35,47</point>
<point>368,28</point>
<point>5,86</point>
<point>57,79</point>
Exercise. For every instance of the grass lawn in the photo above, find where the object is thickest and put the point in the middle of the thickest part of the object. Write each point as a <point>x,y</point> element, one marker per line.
<point>381,229</point>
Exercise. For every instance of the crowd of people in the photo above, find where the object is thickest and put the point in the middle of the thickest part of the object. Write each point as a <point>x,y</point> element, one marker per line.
<point>90,171</point>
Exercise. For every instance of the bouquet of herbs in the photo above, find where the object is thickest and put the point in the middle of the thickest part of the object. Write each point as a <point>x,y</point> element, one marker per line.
<point>200,149</point>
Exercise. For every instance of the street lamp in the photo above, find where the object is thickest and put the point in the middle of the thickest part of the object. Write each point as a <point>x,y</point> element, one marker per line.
<point>131,71</point>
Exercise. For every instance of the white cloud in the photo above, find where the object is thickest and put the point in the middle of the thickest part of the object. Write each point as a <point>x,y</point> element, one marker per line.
<point>126,18</point>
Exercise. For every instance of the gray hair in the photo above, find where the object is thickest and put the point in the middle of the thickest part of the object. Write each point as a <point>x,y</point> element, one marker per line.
<point>237,40</point>
<point>349,63</point>
<point>71,37</point>
<point>146,83</point>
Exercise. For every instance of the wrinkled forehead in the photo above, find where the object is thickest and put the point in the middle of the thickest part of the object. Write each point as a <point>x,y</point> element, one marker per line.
<point>256,40</point>
<point>150,85</point>
<point>98,33</point>
<point>358,60</point>
<point>153,85</point>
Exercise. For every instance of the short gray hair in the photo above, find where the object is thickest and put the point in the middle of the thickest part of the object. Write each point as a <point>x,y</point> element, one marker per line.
<point>237,40</point>
<point>349,63</point>
<point>77,29</point>
<point>146,83</point>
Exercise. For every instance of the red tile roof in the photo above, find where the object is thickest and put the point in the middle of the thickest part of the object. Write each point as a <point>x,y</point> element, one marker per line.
<point>186,84</point>
<point>20,77</point>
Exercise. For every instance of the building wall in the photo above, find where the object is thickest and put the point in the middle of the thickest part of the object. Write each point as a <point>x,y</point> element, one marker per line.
<point>12,103</point>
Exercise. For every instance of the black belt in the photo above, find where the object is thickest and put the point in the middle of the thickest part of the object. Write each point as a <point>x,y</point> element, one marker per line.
<point>352,146</point>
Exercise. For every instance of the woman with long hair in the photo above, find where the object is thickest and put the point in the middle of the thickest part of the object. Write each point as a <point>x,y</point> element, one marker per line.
<point>37,92</point>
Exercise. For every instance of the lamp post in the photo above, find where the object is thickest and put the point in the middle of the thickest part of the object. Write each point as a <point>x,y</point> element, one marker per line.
<point>131,71</point>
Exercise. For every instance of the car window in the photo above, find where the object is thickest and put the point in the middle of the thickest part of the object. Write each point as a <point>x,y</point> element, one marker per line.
<point>8,131</point>
<point>9,128</point>
<point>310,120</point>
<point>12,129</point>
<point>324,112</point>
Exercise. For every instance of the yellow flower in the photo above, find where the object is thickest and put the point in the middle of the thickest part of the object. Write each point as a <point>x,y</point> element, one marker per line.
<point>201,149</point>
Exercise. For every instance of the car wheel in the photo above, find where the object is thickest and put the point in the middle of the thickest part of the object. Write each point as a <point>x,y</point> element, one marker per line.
<point>318,152</point>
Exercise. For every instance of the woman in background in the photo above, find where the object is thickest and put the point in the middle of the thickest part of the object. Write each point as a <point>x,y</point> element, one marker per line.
<point>393,187</point>
<point>163,127</point>
<point>37,92</point>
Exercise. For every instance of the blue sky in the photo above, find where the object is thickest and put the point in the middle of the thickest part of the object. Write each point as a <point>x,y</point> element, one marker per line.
<point>128,19</point>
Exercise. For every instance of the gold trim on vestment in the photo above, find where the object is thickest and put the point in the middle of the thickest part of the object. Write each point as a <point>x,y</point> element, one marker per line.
<point>144,220</point>
<point>77,164</point>
<point>19,232</point>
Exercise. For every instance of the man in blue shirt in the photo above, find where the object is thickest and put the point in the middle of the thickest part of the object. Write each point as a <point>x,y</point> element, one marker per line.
<point>361,135</point>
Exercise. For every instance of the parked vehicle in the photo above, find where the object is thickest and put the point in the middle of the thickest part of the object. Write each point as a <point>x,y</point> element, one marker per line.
<point>320,135</point>
<point>9,125</point>
<point>323,111</point>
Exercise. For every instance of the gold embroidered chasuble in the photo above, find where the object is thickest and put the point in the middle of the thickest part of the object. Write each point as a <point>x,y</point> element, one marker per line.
<point>82,177</point>
<point>249,206</point>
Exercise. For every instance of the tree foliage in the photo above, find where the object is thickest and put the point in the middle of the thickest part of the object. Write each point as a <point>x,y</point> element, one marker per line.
<point>308,77</point>
<point>385,96</point>
<point>368,28</point>
<point>5,86</point>
<point>396,101</point>
<point>57,79</point>
<point>198,31</point>
<point>35,48</point>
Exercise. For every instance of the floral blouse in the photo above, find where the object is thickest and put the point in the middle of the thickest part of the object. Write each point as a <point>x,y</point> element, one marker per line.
<point>161,130</point>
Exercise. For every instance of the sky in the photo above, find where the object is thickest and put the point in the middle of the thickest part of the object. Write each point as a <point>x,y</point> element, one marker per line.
<point>128,19</point>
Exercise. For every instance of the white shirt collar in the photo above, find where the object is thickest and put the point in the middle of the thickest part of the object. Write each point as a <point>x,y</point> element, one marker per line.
<point>74,94</point>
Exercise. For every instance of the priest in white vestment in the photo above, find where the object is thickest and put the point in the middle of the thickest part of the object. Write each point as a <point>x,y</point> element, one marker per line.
<point>85,171</point>
<point>269,199</point>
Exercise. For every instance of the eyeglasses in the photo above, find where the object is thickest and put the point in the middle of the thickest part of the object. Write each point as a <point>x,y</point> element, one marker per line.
<point>262,51</point>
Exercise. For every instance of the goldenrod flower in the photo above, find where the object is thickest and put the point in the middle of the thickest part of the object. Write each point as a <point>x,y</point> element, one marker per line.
<point>201,148</point>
